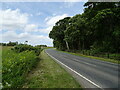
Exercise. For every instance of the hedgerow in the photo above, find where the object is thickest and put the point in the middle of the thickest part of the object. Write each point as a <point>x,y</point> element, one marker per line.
<point>17,64</point>
<point>23,47</point>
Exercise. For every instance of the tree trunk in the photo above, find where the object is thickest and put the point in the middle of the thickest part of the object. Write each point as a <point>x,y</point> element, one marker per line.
<point>83,46</point>
<point>67,46</point>
<point>108,55</point>
<point>79,45</point>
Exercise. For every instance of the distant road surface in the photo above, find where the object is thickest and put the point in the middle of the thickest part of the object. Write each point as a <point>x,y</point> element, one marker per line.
<point>89,72</point>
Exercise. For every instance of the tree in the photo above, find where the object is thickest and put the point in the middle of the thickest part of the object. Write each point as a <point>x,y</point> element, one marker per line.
<point>12,43</point>
<point>57,33</point>
<point>97,28</point>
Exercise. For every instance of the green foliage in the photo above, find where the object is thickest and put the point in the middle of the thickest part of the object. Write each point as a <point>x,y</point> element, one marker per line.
<point>12,43</point>
<point>97,29</point>
<point>3,44</point>
<point>57,33</point>
<point>41,46</point>
<point>9,44</point>
<point>23,47</point>
<point>16,66</point>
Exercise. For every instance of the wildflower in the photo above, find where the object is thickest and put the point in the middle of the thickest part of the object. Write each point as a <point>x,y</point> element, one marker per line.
<point>8,84</point>
<point>1,86</point>
<point>9,70</point>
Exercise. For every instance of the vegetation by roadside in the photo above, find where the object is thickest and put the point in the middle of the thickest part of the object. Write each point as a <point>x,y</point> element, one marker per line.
<point>16,63</point>
<point>47,47</point>
<point>48,74</point>
<point>93,57</point>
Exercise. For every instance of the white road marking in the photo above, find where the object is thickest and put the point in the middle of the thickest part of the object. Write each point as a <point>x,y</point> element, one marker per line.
<point>75,71</point>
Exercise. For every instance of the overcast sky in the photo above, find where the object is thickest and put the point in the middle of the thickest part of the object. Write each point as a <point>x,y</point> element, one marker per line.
<point>32,21</point>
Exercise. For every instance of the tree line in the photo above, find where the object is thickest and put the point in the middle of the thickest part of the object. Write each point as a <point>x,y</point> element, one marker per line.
<point>10,43</point>
<point>97,29</point>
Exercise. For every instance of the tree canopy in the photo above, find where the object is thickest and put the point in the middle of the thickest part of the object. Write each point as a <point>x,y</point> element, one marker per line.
<point>98,28</point>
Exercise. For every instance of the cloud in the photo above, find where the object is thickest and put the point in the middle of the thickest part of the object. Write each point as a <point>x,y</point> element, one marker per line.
<point>46,30</point>
<point>34,28</point>
<point>50,21</point>
<point>74,0</point>
<point>12,19</point>
<point>44,0</point>
<point>31,28</point>
<point>15,20</point>
<point>71,3</point>
<point>22,37</point>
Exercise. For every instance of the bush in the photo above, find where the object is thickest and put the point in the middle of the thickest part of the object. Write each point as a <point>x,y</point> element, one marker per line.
<point>12,43</point>
<point>16,66</point>
<point>23,47</point>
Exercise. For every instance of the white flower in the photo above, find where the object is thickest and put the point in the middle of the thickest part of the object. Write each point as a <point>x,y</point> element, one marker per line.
<point>1,86</point>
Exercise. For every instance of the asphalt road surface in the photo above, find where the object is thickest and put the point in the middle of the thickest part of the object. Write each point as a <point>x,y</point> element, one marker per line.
<point>92,73</point>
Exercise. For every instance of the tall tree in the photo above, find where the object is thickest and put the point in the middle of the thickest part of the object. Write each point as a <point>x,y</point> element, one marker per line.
<point>98,27</point>
<point>57,33</point>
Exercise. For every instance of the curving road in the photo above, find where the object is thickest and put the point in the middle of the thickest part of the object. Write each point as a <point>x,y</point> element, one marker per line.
<point>90,72</point>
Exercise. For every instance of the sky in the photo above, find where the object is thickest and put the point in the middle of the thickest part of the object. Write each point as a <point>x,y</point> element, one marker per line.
<point>32,21</point>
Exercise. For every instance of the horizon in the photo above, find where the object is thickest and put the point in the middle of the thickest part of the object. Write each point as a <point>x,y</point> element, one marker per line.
<point>32,21</point>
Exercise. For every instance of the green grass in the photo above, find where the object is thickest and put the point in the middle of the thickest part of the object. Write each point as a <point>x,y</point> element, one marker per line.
<point>48,74</point>
<point>115,56</point>
<point>93,57</point>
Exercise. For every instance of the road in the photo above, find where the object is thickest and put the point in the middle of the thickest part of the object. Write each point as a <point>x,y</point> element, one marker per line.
<point>93,73</point>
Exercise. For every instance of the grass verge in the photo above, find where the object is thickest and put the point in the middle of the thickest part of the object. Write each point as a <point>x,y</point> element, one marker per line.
<point>48,74</point>
<point>93,57</point>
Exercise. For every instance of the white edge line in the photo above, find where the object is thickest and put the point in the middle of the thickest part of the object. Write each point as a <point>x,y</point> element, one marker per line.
<point>75,71</point>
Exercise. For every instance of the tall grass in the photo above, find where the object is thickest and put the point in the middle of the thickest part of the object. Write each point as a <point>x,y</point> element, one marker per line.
<point>16,66</point>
